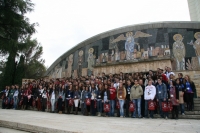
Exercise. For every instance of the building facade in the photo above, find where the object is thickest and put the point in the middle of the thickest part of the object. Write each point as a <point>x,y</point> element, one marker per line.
<point>194,9</point>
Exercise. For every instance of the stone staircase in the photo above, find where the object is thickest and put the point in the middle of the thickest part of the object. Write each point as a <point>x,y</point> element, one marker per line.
<point>195,114</point>
<point>188,114</point>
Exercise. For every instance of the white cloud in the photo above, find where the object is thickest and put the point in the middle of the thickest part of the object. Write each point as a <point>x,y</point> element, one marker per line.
<point>65,23</point>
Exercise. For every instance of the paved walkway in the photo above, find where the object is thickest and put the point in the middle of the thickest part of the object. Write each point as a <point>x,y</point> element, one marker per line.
<point>8,130</point>
<point>48,122</point>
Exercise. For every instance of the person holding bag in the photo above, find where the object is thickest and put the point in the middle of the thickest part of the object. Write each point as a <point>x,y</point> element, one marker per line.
<point>149,95</point>
<point>86,99</point>
<point>174,98</point>
<point>121,95</point>
<point>161,96</point>
<point>112,96</point>
<point>77,94</point>
<point>189,92</point>
<point>181,89</point>
<point>135,96</point>
<point>100,98</point>
<point>106,97</point>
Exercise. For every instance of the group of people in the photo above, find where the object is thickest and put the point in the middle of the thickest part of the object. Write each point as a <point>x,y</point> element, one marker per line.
<point>133,95</point>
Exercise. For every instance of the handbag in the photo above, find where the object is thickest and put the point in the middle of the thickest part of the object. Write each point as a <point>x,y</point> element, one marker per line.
<point>165,107</point>
<point>151,105</point>
<point>88,101</point>
<point>131,107</point>
<point>106,107</point>
<point>71,102</point>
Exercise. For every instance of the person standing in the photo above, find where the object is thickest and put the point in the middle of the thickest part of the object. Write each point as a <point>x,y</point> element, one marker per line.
<point>161,96</point>
<point>149,94</point>
<point>106,96</point>
<point>82,100</point>
<point>174,98</point>
<point>53,97</point>
<point>128,92</point>
<point>76,99</point>
<point>15,96</point>
<point>112,97</point>
<point>142,98</point>
<point>99,99</point>
<point>121,95</point>
<point>181,90</point>
<point>189,92</point>
<point>135,96</point>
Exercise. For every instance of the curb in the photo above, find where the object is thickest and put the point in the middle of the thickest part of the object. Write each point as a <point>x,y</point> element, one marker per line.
<point>30,128</point>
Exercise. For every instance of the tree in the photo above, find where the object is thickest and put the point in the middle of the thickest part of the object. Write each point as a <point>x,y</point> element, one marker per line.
<point>34,65</point>
<point>14,26</point>
<point>15,34</point>
<point>8,76</point>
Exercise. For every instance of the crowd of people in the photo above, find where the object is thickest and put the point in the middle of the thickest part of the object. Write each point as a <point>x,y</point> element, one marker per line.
<point>136,95</point>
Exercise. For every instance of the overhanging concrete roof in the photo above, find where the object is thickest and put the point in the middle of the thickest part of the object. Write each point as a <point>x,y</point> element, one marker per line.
<point>135,27</point>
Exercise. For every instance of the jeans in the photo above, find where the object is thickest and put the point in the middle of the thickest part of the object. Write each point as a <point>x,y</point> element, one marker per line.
<point>52,105</point>
<point>182,107</point>
<point>137,103</point>
<point>162,114</point>
<point>99,106</point>
<point>15,102</point>
<point>148,111</point>
<point>112,107</point>
<point>121,103</point>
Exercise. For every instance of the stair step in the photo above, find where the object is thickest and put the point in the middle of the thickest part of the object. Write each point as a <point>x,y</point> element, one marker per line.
<point>192,112</point>
<point>182,116</point>
<point>196,99</point>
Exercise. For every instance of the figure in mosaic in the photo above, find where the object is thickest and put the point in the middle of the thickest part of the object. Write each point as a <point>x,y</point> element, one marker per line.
<point>179,51</point>
<point>69,68</point>
<point>130,44</point>
<point>196,45</point>
<point>90,59</point>
<point>80,61</point>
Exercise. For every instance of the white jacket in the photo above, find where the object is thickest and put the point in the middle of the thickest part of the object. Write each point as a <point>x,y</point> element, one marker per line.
<point>149,92</point>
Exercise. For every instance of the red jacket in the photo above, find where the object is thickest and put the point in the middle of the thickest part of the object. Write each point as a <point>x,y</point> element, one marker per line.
<point>113,93</point>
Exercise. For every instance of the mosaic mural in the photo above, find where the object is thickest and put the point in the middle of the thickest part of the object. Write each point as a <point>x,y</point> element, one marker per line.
<point>180,45</point>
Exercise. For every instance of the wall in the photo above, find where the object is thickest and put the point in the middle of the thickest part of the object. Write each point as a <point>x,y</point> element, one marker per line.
<point>180,45</point>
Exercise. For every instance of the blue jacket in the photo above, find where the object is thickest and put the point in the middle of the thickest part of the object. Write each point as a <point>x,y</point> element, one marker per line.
<point>161,91</point>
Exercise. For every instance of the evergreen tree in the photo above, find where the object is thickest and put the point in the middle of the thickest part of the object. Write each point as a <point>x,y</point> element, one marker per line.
<point>8,76</point>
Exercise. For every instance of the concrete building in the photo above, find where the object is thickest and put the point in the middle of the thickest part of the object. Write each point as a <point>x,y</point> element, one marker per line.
<point>194,9</point>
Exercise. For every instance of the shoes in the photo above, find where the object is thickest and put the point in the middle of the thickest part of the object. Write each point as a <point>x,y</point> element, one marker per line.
<point>183,114</point>
<point>121,116</point>
<point>166,117</point>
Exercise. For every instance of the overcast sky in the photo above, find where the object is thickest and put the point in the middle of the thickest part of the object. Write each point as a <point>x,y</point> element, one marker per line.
<point>65,23</point>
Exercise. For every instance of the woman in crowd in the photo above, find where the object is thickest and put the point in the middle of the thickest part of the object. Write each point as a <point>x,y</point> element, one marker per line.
<point>82,100</point>
<point>44,99</point>
<point>99,99</point>
<point>53,96</point>
<point>93,100</point>
<point>76,97</point>
<point>121,95</point>
<point>174,98</point>
<point>181,90</point>
<point>86,97</point>
<point>106,97</point>
<point>189,92</point>
<point>69,97</point>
